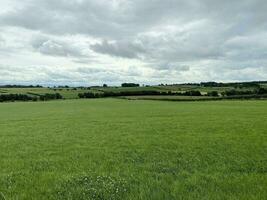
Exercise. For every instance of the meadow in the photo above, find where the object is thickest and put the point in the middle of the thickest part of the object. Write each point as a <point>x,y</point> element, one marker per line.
<point>124,149</point>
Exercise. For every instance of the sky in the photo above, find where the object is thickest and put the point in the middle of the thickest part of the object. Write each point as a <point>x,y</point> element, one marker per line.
<point>92,42</point>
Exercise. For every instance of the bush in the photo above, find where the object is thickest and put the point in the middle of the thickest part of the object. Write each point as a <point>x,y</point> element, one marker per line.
<point>130,85</point>
<point>47,97</point>
<point>16,97</point>
<point>213,94</point>
<point>192,93</point>
<point>262,91</point>
<point>135,93</point>
<point>259,91</point>
<point>89,95</point>
<point>238,92</point>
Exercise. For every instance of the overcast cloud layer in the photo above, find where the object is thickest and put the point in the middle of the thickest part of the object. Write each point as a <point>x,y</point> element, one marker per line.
<point>88,42</point>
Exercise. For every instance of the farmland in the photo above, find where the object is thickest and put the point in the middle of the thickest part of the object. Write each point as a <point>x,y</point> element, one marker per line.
<point>202,91</point>
<point>119,149</point>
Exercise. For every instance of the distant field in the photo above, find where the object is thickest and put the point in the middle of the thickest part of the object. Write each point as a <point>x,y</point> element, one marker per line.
<point>121,89</point>
<point>189,87</point>
<point>72,93</point>
<point>120,149</point>
<point>188,98</point>
<point>159,97</point>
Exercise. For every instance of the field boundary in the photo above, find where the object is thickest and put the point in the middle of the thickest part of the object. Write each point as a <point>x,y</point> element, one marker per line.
<point>198,99</point>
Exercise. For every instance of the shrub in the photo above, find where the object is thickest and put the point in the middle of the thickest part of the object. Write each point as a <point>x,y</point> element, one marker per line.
<point>135,93</point>
<point>16,97</point>
<point>192,93</point>
<point>262,91</point>
<point>238,92</point>
<point>130,85</point>
<point>213,94</point>
<point>48,96</point>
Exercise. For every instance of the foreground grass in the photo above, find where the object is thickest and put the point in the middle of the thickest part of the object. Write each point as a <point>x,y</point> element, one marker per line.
<point>119,149</point>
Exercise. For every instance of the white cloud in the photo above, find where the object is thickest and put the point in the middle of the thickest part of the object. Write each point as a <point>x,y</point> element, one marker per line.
<point>144,41</point>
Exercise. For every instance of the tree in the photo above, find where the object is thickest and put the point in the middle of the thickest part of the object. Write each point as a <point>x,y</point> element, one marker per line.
<point>192,93</point>
<point>213,94</point>
<point>262,91</point>
<point>129,85</point>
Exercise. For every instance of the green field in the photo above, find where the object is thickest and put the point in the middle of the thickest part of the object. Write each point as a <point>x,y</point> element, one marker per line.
<point>72,93</point>
<point>119,149</point>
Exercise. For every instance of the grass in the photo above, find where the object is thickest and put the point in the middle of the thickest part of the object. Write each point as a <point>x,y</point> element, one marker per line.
<point>119,149</point>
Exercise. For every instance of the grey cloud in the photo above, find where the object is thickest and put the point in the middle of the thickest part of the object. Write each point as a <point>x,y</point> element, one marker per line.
<point>66,17</point>
<point>171,66</point>
<point>196,43</point>
<point>5,48</point>
<point>188,43</point>
<point>213,37</point>
<point>133,71</point>
<point>2,44</point>
<point>88,70</point>
<point>121,18</point>
<point>56,76</point>
<point>2,41</point>
<point>123,49</point>
<point>86,60</point>
<point>249,48</point>
<point>54,47</point>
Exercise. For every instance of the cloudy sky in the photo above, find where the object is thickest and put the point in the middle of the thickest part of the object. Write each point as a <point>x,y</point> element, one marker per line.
<point>89,42</point>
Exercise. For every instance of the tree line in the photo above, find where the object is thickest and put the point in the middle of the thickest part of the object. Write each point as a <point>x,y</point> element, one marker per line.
<point>16,97</point>
<point>48,96</point>
<point>228,93</point>
<point>137,93</point>
<point>255,84</point>
<point>259,91</point>
<point>130,85</point>
<point>25,97</point>
<point>21,86</point>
